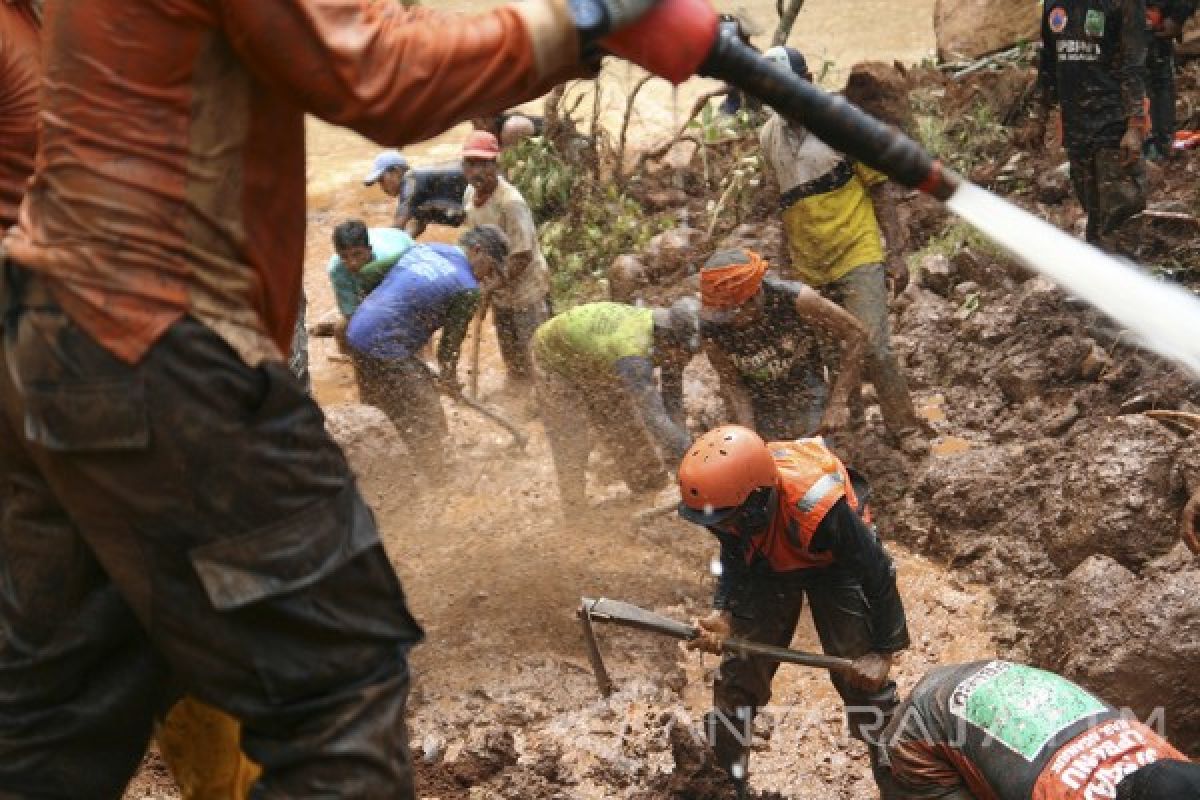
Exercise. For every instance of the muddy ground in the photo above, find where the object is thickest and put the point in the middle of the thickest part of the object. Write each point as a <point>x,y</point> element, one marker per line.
<point>1041,527</point>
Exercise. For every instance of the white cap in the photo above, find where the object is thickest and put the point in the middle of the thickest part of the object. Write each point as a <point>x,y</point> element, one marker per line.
<point>383,162</point>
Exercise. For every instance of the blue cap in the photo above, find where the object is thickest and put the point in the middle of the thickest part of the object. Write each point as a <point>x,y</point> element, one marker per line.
<point>383,162</point>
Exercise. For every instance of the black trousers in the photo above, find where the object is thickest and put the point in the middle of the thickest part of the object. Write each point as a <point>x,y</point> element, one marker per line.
<point>404,390</point>
<point>1160,88</point>
<point>514,334</point>
<point>1109,192</point>
<point>184,524</point>
<point>768,613</point>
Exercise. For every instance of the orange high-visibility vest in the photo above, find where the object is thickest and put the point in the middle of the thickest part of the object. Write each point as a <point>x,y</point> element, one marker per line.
<point>814,479</point>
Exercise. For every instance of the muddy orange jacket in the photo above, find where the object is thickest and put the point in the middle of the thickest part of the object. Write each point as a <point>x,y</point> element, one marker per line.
<point>20,69</point>
<point>171,174</point>
<point>814,479</point>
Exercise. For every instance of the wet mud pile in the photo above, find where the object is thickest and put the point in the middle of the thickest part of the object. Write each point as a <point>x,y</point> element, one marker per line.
<point>1054,484</point>
<point>1056,480</point>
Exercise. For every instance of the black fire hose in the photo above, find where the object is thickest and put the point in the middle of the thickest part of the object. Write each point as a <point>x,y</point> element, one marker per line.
<point>832,118</point>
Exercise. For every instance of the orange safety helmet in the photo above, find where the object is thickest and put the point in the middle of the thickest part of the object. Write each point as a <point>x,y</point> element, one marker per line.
<point>721,470</point>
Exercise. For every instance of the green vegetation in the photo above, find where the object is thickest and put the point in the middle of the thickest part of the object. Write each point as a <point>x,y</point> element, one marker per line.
<point>582,224</point>
<point>544,177</point>
<point>965,142</point>
<point>732,163</point>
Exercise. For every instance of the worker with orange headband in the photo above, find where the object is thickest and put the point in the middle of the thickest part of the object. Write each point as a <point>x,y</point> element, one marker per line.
<point>761,334</point>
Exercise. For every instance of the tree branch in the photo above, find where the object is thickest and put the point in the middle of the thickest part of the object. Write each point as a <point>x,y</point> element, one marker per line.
<point>787,18</point>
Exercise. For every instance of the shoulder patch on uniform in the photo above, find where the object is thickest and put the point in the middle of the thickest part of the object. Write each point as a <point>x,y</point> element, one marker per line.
<point>1057,19</point>
<point>1093,23</point>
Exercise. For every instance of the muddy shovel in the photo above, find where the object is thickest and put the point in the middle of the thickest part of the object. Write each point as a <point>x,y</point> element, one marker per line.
<point>625,615</point>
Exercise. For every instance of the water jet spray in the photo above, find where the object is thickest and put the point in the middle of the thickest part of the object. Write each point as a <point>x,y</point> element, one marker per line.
<point>1164,318</point>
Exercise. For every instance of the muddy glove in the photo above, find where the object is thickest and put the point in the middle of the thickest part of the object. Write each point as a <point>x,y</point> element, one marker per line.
<point>714,630</point>
<point>870,672</point>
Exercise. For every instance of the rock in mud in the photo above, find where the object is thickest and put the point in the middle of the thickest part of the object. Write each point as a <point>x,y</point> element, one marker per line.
<point>882,90</point>
<point>1120,495</point>
<point>673,251</point>
<point>973,28</point>
<point>937,274</point>
<point>695,776</point>
<point>1052,187</point>
<point>1133,641</point>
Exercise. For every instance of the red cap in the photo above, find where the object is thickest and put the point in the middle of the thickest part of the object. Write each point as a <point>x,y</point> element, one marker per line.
<point>481,144</point>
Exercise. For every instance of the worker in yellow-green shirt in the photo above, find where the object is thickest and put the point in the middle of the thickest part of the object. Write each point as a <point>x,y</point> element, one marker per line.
<point>595,380</point>
<point>833,208</point>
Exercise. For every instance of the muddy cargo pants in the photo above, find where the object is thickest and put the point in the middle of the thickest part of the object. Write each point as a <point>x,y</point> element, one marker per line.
<point>514,334</point>
<point>768,613</point>
<point>1109,192</point>
<point>863,292</point>
<point>575,415</point>
<point>185,523</point>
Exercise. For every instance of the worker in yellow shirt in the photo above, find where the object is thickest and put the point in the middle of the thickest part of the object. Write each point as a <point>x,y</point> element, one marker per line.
<point>833,208</point>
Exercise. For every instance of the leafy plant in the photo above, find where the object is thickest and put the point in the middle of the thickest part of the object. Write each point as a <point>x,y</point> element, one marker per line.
<point>545,178</point>
<point>579,247</point>
<point>583,225</point>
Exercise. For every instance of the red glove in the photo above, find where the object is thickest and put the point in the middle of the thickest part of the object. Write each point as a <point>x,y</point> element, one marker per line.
<point>671,40</point>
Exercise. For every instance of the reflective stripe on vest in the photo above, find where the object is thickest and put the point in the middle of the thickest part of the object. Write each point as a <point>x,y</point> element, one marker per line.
<point>813,497</point>
<point>813,480</point>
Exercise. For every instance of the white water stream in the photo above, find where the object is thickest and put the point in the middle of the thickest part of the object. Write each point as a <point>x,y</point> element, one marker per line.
<point>1163,317</point>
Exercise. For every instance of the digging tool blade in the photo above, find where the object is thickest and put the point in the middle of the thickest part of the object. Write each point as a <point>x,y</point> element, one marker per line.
<point>593,649</point>
<point>520,438</point>
<point>627,615</point>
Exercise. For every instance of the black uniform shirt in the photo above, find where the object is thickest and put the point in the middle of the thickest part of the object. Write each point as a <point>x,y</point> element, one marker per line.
<point>1093,61</point>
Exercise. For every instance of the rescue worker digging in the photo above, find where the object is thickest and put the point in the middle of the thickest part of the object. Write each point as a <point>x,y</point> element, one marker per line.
<point>355,249</point>
<point>787,519</point>
<point>599,359</point>
<point>423,195</point>
<point>430,287</point>
<point>176,516</point>
<point>992,730</point>
<point>761,336</point>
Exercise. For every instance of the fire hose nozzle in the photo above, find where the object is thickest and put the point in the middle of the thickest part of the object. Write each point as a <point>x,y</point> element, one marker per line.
<point>830,117</point>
